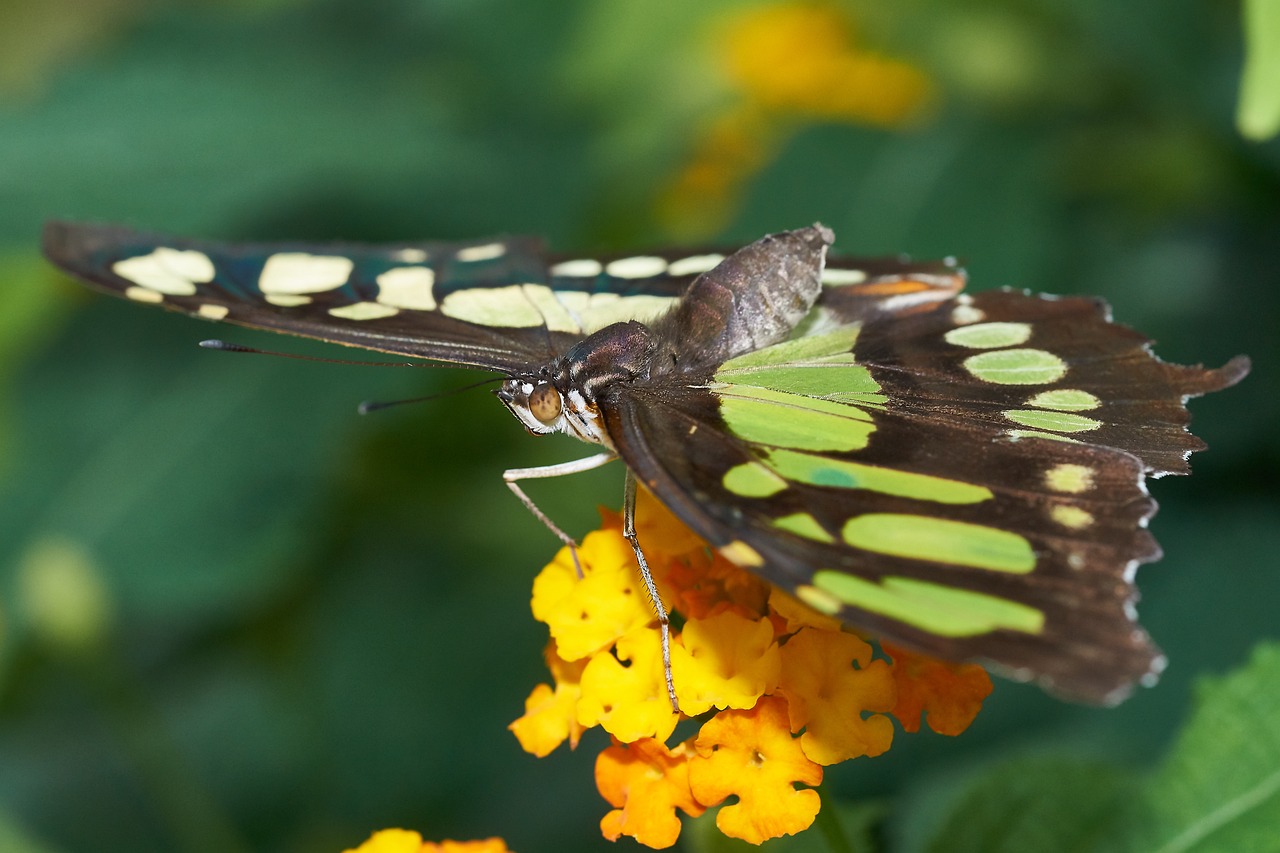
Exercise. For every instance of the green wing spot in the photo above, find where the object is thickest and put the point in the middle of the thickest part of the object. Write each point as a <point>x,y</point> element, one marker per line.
<point>813,380</point>
<point>1066,399</point>
<point>1017,434</point>
<point>932,607</point>
<point>804,524</point>
<point>940,540</point>
<point>989,335</point>
<point>837,473</point>
<point>769,417</point>
<point>1056,421</point>
<point>1016,367</point>
<point>753,480</point>
<point>839,342</point>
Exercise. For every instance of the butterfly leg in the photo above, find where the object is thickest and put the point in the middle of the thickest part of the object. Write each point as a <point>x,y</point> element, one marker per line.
<point>664,621</point>
<point>512,475</point>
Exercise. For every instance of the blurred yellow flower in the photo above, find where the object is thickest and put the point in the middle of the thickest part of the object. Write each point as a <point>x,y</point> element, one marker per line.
<point>784,64</point>
<point>407,841</point>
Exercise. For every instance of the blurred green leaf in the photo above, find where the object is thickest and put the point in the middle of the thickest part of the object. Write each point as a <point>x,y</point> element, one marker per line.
<point>1258,113</point>
<point>1219,789</point>
<point>1042,804</point>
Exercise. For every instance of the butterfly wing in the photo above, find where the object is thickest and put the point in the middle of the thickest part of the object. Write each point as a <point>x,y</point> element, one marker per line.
<point>502,304</point>
<point>885,475</point>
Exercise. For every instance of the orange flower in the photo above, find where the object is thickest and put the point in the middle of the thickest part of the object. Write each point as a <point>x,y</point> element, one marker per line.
<point>752,755</point>
<point>950,693</point>
<point>827,696</point>
<point>646,783</point>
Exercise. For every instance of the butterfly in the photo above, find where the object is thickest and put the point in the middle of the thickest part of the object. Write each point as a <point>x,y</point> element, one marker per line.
<point>960,474</point>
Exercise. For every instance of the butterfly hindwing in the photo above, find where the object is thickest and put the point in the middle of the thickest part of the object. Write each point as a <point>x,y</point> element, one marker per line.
<point>875,472</point>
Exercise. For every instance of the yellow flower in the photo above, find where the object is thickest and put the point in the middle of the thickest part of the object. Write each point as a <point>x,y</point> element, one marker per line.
<point>794,691</point>
<point>407,841</point>
<point>551,715</point>
<point>590,613</point>
<point>629,702</point>
<point>784,64</point>
<point>725,661</point>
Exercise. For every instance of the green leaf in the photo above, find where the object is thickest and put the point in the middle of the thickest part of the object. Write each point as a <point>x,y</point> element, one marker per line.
<point>1258,113</point>
<point>1219,789</point>
<point>1042,804</point>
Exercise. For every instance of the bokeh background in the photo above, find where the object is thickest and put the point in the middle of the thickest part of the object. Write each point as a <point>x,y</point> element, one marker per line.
<point>234,615</point>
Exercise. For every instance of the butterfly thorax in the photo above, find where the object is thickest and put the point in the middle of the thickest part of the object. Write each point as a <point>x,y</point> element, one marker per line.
<point>564,395</point>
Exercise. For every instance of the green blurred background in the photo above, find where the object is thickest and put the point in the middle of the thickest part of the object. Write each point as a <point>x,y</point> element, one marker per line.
<point>236,616</point>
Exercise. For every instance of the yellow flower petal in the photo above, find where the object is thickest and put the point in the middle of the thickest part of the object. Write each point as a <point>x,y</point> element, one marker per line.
<point>407,841</point>
<point>828,697</point>
<point>391,841</point>
<point>726,661</point>
<point>752,755</point>
<point>551,716</point>
<point>629,702</point>
<point>588,614</point>
<point>796,614</point>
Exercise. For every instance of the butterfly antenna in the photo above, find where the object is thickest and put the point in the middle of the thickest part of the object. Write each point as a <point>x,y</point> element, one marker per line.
<point>225,346</point>
<point>373,406</point>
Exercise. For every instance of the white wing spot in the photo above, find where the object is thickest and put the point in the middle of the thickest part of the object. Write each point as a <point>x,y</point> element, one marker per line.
<point>144,294</point>
<point>408,287</point>
<point>494,306</point>
<point>641,266</point>
<point>989,335</point>
<point>364,311</point>
<point>965,314</point>
<point>580,268</point>
<point>833,277</point>
<point>213,312</point>
<point>173,272</point>
<point>486,252</point>
<point>694,265</point>
<point>288,300</point>
<point>410,255</point>
<point>300,272</point>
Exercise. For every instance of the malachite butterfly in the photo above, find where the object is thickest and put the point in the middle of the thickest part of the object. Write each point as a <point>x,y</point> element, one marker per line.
<point>961,474</point>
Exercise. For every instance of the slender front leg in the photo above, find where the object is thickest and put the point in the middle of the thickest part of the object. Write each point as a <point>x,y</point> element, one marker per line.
<point>664,622</point>
<point>512,475</point>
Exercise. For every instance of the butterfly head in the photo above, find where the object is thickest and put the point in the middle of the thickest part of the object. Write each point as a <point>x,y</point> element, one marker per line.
<point>543,408</point>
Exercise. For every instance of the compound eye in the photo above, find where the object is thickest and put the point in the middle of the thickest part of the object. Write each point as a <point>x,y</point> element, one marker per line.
<point>544,403</point>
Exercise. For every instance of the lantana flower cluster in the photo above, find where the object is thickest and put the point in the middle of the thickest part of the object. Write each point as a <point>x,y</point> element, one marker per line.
<point>779,690</point>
